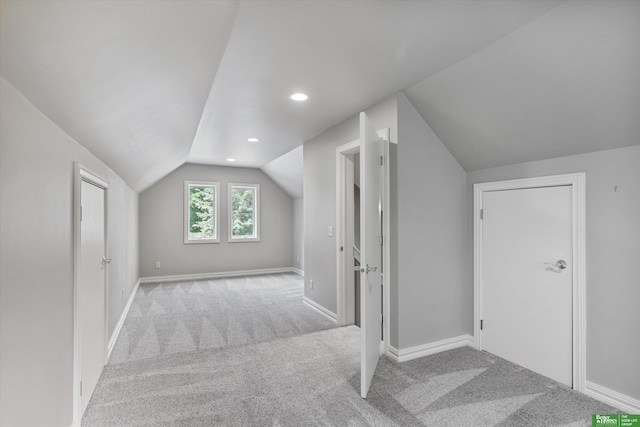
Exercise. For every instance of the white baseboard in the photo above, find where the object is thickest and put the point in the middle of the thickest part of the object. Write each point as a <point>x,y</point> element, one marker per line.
<point>199,276</point>
<point>123,316</point>
<point>320,308</point>
<point>618,400</point>
<point>297,270</point>
<point>411,353</point>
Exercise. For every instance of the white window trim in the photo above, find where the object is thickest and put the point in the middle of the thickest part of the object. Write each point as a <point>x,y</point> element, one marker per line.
<point>233,239</point>
<point>188,184</point>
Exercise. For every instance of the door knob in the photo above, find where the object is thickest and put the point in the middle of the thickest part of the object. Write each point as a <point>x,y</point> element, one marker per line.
<point>561,264</point>
<point>365,269</point>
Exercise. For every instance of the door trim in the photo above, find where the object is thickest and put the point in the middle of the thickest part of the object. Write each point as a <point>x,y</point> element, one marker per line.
<point>81,173</point>
<point>341,233</point>
<point>577,181</point>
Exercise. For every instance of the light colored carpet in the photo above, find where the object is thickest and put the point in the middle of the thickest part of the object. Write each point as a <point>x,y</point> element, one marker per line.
<point>313,379</point>
<point>168,318</point>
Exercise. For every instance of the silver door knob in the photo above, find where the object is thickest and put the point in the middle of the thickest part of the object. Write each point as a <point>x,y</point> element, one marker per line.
<point>365,269</point>
<point>561,264</point>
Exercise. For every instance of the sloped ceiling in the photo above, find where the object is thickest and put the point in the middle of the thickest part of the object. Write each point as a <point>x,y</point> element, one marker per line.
<point>126,79</point>
<point>566,83</point>
<point>148,85</point>
<point>346,55</point>
<point>287,171</point>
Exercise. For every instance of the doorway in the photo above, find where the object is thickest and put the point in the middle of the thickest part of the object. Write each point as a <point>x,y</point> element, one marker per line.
<point>347,248</point>
<point>529,265</point>
<point>90,285</point>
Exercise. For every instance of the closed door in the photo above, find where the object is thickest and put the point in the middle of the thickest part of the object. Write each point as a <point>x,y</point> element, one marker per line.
<point>371,252</point>
<point>91,289</point>
<point>527,278</point>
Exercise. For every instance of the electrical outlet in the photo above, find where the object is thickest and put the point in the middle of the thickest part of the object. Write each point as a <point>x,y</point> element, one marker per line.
<point>311,284</point>
<point>122,294</point>
<point>298,256</point>
<point>157,264</point>
<point>330,231</point>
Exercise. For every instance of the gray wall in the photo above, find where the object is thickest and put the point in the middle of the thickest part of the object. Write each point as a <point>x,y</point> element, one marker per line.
<point>428,225</point>
<point>613,252</point>
<point>36,259</point>
<point>320,198</point>
<point>161,226</point>
<point>298,233</point>
<point>432,238</point>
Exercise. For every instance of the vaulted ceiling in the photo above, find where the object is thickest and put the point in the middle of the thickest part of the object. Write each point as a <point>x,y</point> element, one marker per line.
<point>149,85</point>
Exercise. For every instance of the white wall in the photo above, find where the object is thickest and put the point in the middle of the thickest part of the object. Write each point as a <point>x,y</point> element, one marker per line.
<point>161,226</point>
<point>613,254</point>
<point>320,198</point>
<point>432,238</point>
<point>36,258</point>
<point>298,233</point>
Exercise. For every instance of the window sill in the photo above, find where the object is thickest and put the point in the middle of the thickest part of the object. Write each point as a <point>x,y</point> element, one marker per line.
<point>200,242</point>
<point>245,240</point>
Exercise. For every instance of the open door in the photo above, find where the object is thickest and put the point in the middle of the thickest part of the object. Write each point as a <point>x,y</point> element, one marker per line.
<point>371,252</point>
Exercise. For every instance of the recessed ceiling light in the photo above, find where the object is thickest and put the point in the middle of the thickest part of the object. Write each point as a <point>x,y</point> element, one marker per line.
<point>253,140</point>
<point>231,160</point>
<point>299,97</point>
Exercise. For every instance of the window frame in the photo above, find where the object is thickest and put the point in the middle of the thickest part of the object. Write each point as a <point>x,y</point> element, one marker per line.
<point>256,213</point>
<point>187,185</point>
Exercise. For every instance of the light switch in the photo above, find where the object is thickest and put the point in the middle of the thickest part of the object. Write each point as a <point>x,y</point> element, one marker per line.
<point>331,231</point>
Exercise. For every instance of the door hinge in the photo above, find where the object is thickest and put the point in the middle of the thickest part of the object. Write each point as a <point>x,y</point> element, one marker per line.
<point>481,213</point>
<point>381,160</point>
<point>341,248</point>
<point>481,324</point>
<point>80,213</point>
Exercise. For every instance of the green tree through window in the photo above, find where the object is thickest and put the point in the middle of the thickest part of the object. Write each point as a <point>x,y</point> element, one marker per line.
<point>244,212</point>
<point>201,212</point>
<point>202,221</point>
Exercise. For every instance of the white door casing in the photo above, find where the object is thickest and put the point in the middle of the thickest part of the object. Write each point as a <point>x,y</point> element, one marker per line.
<point>527,252</point>
<point>344,234</point>
<point>91,289</point>
<point>527,296</point>
<point>90,286</point>
<point>370,252</point>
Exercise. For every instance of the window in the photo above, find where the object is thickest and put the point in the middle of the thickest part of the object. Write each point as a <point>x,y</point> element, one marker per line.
<point>201,223</point>
<point>244,212</point>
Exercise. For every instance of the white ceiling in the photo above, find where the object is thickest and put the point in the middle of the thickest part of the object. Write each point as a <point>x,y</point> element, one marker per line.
<point>346,55</point>
<point>567,83</point>
<point>148,85</point>
<point>126,79</point>
<point>287,171</point>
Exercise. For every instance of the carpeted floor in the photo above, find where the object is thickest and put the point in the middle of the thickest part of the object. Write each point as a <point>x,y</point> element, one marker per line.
<point>168,318</point>
<point>313,379</point>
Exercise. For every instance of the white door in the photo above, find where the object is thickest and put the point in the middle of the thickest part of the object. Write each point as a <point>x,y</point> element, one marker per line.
<point>91,289</point>
<point>370,253</point>
<point>527,278</point>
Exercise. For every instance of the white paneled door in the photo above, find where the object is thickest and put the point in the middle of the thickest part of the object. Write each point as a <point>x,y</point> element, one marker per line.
<point>91,289</point>
<point>371,252</point>
<point>527,278</point>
